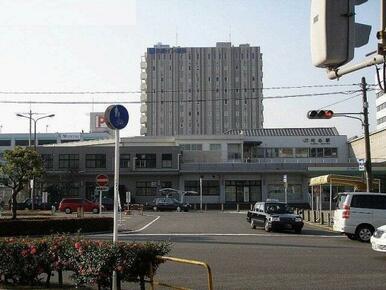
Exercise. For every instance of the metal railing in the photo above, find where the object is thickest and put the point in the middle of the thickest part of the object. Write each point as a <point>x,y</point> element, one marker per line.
<point>154,283</point>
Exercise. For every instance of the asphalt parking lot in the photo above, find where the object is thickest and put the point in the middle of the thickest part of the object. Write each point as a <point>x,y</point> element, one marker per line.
<point>243,258</point>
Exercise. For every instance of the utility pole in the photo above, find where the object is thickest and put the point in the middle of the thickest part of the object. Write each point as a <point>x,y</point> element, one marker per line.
<point>369,174</point>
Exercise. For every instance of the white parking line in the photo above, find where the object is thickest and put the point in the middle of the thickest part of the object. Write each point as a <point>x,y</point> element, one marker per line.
<point>145,226</point>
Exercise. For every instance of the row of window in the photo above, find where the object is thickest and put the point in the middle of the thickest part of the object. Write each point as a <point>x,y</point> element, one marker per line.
<point>381,120</point>
<point>220,56</point>
<point>234,151</point>
<point>71,161</point>
<point>381,107</point>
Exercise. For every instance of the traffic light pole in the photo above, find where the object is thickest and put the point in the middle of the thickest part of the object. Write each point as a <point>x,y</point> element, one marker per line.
<point>369,174</point>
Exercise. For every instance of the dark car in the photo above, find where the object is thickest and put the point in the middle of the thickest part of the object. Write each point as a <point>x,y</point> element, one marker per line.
<point>274,216</point>
<point>68,205</point>
<point>168,203</point>
<point>107,203</point>
<point>27,204</point>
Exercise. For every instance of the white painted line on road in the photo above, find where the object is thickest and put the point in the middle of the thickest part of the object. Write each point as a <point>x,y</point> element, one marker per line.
<point>231,235</point>
<point>146,226</point>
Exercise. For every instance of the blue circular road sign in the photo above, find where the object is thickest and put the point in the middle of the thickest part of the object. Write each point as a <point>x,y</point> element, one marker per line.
<point>116,117</point>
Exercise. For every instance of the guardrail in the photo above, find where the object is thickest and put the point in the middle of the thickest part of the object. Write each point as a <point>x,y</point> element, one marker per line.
<point>323,217</point>
<point>154,283</point>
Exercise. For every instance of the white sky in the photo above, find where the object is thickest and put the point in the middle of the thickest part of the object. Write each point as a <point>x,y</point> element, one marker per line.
<point>96,45</point>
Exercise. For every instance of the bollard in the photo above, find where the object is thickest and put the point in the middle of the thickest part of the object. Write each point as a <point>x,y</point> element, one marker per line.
<point>328,219</point>
<point>314,216</point>
<point>308,215</point>
<point>238,207</point>
<point>53,209</point>
<point>321,219</point>
<point>222,207</point>
<point>195,206</point>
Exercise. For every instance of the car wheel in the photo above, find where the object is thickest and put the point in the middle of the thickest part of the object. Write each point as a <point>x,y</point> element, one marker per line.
<point>178,208</point>
<point>67,210</point>
<point>95,210</point>
<point>298,230</point>
<point>364,233</point>
<point>352,236</point>
<point>267,227</point>
<point>253,226</point>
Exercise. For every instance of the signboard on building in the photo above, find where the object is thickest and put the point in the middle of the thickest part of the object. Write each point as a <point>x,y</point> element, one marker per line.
<point>98,122</point>
<point>70,136</point>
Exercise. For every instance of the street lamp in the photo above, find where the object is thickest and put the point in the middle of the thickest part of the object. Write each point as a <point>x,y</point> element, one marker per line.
<point>35,145</point>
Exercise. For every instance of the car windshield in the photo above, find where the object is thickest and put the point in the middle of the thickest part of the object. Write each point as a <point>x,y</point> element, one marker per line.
<point>277,208</point>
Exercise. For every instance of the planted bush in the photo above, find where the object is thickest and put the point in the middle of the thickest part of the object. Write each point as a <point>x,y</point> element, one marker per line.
<point>48,226</point>
<point>29,261</point>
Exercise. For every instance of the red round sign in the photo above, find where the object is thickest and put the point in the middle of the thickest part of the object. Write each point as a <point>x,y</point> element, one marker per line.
<point>102,180</point>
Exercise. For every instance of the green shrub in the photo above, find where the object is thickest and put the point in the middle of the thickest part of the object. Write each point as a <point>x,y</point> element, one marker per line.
<point>42,226</point>
<point>23,261</point>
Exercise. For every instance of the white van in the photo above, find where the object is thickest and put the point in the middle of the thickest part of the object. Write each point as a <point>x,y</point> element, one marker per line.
<point>358,214</point>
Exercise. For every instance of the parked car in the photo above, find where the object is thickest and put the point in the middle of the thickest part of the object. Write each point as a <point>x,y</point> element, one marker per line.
<point>107,203</point>
<point>274,215</point>
<point>68,205</point>
<point>358,214</point>
<point>167,203</point>
<point>378,239</point>
<point>26,204</point>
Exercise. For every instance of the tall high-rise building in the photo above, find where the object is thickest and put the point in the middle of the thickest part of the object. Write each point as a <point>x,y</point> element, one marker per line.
<point>380,103</point>
<point>201,90</point>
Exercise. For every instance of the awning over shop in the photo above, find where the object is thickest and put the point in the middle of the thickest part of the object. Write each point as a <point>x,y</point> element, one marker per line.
<point>357,182</point>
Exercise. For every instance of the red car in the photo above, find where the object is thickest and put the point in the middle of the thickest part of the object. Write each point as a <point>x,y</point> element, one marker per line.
<point>68,205</point>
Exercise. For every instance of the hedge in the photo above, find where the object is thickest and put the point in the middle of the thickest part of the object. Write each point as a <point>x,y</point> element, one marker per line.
<point>42,226</point>
<point>26,261</point>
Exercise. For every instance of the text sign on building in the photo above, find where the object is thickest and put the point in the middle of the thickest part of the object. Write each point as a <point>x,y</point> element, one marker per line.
<point>102,180</point>
<point>74,136</point>
<point>361,164</point>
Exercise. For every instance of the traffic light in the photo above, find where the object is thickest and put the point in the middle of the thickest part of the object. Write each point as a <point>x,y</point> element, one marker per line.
<point>320,114</point>
<point>334,33</point>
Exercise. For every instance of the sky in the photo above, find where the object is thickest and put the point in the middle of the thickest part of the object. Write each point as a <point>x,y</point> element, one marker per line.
<point>96,45</point>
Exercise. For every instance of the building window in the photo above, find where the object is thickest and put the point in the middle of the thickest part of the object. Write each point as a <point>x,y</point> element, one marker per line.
<point>286,152</point>
<point>215,147</point>
<point>68,160</point>
<point>316,152</point>
<point>95,160</point>
<point>145,188</point>
<point>191,147</point>
<point>48,161</point>
<point>43,142</point>
<point>23,142</point>
<point>330,152</point>
<point>301,152</point>
<point>124,160</point>
<point>166,160</point>
<point>145,161</point>
<point>234,151</point>
<point>5,142</point>
<point>272,152</point>
<point>209,187</point>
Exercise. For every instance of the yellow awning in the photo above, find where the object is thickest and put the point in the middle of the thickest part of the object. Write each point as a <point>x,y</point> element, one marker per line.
<point>358,182</point>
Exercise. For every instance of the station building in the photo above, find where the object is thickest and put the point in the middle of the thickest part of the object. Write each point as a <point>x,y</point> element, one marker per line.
<point>240,166</point>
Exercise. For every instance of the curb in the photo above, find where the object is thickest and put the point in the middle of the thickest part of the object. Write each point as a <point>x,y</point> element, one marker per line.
<point>324,227</point>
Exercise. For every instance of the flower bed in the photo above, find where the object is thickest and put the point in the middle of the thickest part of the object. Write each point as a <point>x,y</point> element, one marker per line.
<point>25,261</point>
<point>46,226</point>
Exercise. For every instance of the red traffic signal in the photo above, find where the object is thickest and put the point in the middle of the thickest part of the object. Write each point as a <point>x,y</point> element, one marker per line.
<point>320,114</point>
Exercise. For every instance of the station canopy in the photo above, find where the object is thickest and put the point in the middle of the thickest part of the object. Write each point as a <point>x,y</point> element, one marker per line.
<point>342,180</point>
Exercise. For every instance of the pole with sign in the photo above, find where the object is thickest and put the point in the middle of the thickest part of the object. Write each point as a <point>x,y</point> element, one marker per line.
<point>116,117</point>
<point>101,180</point>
